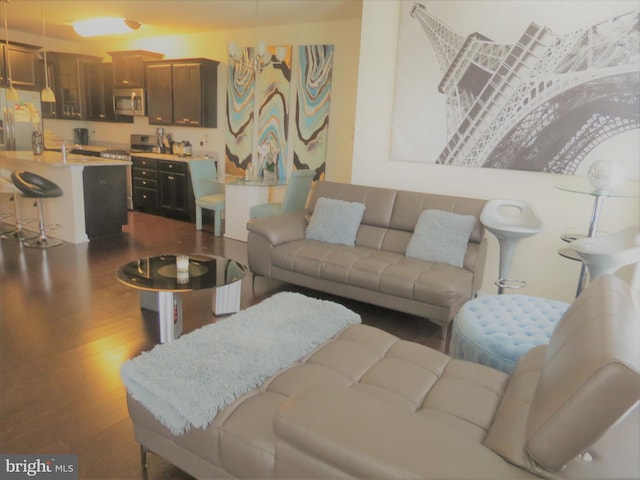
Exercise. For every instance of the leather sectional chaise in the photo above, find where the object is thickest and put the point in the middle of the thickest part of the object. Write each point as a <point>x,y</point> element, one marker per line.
<point>366,404</point>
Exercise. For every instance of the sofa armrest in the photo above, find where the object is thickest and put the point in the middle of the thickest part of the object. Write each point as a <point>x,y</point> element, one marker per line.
<point>280,228</point>
<point>352,432</point>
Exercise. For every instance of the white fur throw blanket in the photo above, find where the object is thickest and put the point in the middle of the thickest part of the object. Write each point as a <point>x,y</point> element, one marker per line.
<point>186,382</point>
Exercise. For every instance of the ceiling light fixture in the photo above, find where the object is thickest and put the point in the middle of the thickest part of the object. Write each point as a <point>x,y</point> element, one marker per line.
<point>12,94</point>
<point>47,94</point>
<point>261,58</point>
<point>93,27</point>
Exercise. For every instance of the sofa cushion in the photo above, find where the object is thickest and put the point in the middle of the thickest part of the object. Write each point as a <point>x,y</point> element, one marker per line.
<point>377,270</point>
<point>335,221</point>
<point>441,237</point>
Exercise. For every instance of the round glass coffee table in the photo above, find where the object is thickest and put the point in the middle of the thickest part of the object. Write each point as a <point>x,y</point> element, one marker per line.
<point>161,287</point>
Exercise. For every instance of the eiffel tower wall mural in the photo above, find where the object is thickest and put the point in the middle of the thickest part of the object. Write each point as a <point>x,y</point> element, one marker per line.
<point>257,112</point>
<point>315,68</point>
<point>542,86</point>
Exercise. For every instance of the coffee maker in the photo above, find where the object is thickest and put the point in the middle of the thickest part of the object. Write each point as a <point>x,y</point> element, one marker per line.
<point>162,141</point>
<point>81,136</point>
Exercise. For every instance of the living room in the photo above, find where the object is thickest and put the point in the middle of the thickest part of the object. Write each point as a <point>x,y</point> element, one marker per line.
<point>358,153</point>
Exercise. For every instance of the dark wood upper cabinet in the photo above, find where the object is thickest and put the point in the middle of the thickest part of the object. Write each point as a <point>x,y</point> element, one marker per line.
<point>183,92</point>
<point>128,67</point>
<point>160,94</point>
<point>66,78</point>
<point>24,61</point>
<point>98,93</point>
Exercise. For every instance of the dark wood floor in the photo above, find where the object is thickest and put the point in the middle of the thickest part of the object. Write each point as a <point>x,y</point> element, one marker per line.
<point>66,326</point>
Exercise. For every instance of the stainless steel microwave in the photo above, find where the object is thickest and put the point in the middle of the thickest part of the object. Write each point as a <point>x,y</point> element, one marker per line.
<point>129,101</point>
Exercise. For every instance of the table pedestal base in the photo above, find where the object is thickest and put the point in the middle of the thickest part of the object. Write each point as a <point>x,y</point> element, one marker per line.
<point>169,307</point>
<point>227,299</point>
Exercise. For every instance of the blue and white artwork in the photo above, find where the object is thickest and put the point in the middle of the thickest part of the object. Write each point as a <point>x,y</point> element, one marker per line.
<point>313,99</point>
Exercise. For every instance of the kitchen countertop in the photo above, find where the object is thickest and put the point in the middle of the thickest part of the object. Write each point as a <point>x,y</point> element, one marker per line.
<point>166,156</point>
<point>68,210</point>
<point>152,155</point>
<point>54,159</point>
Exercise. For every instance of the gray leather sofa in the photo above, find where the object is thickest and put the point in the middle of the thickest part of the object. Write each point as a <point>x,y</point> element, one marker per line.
<point>375,270</point>
<point>368,405</point>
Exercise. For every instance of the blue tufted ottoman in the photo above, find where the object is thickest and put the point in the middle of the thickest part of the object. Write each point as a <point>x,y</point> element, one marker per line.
<point>495,330</point>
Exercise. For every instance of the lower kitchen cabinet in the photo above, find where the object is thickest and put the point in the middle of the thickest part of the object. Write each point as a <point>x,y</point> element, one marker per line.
<point>105,200</point>
<point>144,175</point>
<point>163,187</point>
<point>175,190</point>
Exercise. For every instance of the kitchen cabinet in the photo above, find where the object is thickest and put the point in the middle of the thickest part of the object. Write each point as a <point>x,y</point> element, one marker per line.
<point>163,187</point>
<point>191,97</point>
<point>68,83</point>
<point>128,67</point>
<point>173,189</point>
<point>144,175</point>
<point>105,200</point>
<point>23,66</point>
<point>159,94</point>
<point>98,93</point>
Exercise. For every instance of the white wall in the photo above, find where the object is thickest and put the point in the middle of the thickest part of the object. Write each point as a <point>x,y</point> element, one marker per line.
<point>344,35</point>
<point>536,259</point>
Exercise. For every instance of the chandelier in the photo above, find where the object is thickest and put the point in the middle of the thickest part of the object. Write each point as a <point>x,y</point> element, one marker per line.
<point>261,58</point>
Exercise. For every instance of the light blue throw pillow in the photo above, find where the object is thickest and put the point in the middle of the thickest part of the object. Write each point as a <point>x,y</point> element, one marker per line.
<point>335,221</point>
<point>441,237</point>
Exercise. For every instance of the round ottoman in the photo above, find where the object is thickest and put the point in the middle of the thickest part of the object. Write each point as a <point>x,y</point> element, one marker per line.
<point>495,330</point>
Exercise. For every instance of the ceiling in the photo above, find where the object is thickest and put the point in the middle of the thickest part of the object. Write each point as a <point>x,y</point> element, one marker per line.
<point>165,17</point>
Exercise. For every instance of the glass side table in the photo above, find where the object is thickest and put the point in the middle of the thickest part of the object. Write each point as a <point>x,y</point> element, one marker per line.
<point>627,190</point>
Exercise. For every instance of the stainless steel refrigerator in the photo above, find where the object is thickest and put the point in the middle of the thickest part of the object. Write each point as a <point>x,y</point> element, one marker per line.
<point>19,119</point>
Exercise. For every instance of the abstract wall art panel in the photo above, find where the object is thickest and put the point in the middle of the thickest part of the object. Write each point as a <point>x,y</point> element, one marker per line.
<point>313,96</point>
<point>240,115</point>
<point>257,110</point>
<point>274,90</point>
<point>546,91</point>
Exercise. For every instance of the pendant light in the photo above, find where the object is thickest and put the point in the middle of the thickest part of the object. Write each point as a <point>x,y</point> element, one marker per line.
<point>12,94</point>
<point>47,94</point>
<point>261,58</point>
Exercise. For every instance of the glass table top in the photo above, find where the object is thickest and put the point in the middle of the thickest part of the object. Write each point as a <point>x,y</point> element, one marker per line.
<point>629,189</point>
<point>159,273</point>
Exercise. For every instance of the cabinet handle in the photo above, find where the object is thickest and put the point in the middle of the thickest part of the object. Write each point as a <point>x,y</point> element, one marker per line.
<point>158,119</point>
<point>170,177</point>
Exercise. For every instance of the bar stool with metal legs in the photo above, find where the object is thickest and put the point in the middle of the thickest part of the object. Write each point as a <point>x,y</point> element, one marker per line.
<point>34,186</point>
<point>7,186</point>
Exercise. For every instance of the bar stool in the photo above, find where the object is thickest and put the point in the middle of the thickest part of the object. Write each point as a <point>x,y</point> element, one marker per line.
<point>606,254</point>
<point>510,221</point>
<point>7,186</point>
<point>34,186</point>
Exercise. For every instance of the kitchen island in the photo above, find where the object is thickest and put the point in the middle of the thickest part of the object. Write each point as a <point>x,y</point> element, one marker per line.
<point>93,202</point>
